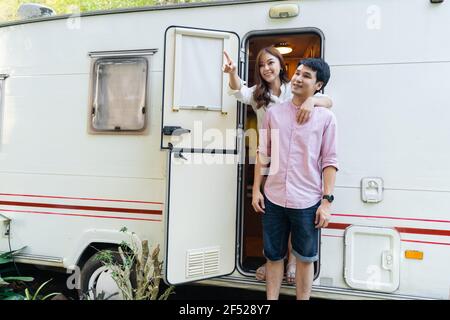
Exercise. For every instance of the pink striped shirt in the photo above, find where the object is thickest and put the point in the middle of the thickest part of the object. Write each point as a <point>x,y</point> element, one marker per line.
<point>297,154</point>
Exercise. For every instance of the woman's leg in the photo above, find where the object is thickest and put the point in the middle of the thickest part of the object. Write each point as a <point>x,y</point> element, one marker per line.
<point>290,267</point>
<point>261,273</point>
<point>291,264</point>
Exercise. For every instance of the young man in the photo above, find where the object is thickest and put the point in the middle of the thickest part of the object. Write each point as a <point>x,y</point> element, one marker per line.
<point>302,164</point>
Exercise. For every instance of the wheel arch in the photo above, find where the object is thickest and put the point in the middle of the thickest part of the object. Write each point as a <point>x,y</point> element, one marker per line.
<point>92,241</point>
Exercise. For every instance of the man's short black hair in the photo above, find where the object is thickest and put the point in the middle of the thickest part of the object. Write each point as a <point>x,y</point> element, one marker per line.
<point>320,67</point>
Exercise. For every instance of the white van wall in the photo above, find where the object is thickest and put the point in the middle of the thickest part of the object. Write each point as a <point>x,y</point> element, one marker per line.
<point>389,63</point>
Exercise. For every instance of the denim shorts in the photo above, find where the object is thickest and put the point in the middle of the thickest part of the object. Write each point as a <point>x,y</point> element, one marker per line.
<point>278,222</point>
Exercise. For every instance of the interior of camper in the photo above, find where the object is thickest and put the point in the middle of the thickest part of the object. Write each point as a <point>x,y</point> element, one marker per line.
<point>294,47</point>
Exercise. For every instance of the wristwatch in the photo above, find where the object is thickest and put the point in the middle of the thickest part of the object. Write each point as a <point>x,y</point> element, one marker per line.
<point>329,197</point>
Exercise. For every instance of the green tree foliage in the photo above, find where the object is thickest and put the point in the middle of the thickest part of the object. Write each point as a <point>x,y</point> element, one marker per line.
<point>8,8</point>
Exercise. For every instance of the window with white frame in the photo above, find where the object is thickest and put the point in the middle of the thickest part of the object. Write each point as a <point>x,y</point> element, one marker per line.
<point>198,78</point>
<point>119,94</point>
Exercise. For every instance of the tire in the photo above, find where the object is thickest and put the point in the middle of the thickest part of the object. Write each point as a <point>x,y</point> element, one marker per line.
<point>96,282</point>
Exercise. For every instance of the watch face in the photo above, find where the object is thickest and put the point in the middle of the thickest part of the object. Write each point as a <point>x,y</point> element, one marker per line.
<point>330,198</point>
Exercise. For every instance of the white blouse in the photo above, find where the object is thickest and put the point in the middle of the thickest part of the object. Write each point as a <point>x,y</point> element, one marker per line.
<point>245,95</point>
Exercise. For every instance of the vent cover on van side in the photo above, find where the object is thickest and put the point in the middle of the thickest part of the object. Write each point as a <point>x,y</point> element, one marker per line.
<point>202,262</point>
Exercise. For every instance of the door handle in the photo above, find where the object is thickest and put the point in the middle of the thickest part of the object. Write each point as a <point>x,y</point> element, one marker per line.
<point>174,130</point>
<point>372,190</point>
<point>387,260</point>
<point>179,155</point>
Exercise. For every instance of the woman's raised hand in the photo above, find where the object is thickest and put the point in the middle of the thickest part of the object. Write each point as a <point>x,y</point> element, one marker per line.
<point>229,66</point>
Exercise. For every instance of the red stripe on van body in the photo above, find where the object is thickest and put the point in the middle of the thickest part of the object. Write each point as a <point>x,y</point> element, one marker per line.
<point>79,215</point>
<point>424,231</point>
<point>61,197</point>
<point>387,217</point>
<point>343,226</point>
<point>89,208</point>
<point>339,226</point>
<point>428,242</point>
<point>403,240</point>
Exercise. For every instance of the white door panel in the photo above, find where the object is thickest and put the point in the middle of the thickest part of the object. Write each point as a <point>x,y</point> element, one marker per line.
<point>201,211</point>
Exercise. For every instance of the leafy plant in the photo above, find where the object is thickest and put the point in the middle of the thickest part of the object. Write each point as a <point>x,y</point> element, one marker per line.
<point>36,296</point>
<point>6,292</point>
<point>139,264</point>
<point>97,296</point>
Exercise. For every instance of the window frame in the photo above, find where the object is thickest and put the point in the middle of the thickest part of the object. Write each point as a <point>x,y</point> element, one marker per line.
<point>180,32</point>
<point>120,56</point>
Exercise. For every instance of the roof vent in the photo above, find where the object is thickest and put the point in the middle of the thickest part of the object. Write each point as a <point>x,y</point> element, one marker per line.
<point>34,10</point>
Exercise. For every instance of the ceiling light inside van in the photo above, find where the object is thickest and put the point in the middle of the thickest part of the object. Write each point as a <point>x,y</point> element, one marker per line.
<point>283,48</point>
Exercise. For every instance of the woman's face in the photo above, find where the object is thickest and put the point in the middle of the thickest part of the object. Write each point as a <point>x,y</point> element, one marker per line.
<point>269,67</point>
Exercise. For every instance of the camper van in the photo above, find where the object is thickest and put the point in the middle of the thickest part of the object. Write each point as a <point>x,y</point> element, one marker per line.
<point>122,119</point>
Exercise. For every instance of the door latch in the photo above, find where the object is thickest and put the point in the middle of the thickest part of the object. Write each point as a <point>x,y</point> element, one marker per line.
<point>174,130</point>
<point>387,260</point>
<point>179,155</point>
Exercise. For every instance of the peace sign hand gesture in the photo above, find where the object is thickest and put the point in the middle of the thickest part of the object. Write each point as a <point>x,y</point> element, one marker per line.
<point>229,66</point>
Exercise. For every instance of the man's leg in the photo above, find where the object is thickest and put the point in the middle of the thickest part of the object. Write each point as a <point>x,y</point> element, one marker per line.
<point>305,240</point>
<point>275,237</point>
<point>274,277</point>
<point>304,277</point>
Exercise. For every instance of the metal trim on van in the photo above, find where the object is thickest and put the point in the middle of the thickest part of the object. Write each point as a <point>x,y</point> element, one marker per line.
<point>122,53</point>
<point>40,260</point>
<point>133,10</point>
<point>272,32</point>
<point>322,292</point>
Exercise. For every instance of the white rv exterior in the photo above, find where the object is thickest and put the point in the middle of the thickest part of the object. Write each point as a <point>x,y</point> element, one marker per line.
<point>65,186</point>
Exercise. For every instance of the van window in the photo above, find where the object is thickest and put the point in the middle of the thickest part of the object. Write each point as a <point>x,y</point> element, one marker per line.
<point>118,97</point>
<point>198,78</point>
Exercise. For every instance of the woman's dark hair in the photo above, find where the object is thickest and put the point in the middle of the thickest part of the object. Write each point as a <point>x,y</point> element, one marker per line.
<point>262,91</point>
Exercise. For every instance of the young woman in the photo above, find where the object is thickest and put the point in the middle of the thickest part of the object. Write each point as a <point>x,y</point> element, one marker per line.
<point>272,86</point>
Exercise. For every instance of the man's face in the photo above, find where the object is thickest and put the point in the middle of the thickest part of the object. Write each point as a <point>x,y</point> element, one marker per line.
<point>304,82</point>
